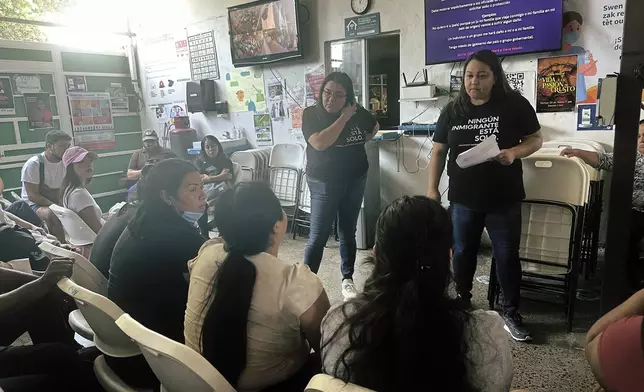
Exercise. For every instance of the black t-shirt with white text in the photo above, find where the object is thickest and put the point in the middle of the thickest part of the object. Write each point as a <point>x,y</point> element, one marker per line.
<point>489,185</point>
<point>346,159</point>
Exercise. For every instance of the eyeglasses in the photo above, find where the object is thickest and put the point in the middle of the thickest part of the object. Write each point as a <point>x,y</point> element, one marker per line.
<point>337,95</point>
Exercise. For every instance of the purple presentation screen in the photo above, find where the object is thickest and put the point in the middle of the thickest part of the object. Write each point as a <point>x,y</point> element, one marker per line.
<point>454,29</point>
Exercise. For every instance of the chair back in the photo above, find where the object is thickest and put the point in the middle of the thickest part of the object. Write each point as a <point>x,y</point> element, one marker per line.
<point>595,174</point>
<point>85,273</point>
<point>305,195</point>
<point>556,178</point>
<point>287,155</point>
<point>77,231</point>
<point>547,236</point>
<point>326,383</point>
<point>101,315</point>
<point>576,143</point>
<point>284,183</point>
<point>178,367</point>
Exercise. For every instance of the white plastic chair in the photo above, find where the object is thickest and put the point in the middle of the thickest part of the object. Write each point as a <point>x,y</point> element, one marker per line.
<point>287,156</point>
<point>85,273</point>
<point>326,383</point>
<point>556,178</point>
<point>302,214</point>
<point>101,315</point>
<point>179,367</point>
<point>78,233</point>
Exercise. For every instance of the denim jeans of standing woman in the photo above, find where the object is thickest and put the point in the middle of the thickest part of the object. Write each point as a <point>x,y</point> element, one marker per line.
<point>341,199</point>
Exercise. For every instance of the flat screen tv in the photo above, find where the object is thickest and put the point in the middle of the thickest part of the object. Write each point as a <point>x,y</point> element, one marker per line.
<point>264,31</point>
<point>454,29</point>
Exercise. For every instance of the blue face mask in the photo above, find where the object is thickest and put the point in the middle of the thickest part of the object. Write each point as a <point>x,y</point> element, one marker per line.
<point>571,37</point>
<point>192,217</point>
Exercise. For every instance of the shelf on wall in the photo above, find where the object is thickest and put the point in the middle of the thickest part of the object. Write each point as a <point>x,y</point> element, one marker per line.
<point>419,100</point>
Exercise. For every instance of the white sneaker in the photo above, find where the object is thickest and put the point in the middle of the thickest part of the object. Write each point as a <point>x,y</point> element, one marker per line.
<point>349,289</point>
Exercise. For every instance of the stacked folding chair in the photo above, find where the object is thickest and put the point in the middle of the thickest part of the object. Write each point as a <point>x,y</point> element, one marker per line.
<point>557,195</point>
<point>285,169</point>
<point>254,163</point>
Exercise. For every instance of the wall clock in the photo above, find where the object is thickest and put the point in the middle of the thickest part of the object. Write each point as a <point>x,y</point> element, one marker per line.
<point>360,7</point>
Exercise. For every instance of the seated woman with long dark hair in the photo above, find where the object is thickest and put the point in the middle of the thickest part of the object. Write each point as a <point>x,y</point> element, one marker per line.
<point>252,315</point>
<point>148,269</point>
<point>213,164</point>
<point>404,332</point>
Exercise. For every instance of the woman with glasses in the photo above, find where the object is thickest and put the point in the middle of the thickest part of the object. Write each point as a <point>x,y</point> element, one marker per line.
<point>336,129</point>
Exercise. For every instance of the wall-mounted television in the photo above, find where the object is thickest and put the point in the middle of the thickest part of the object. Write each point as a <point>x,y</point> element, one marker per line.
<point>454,29</point>
<point>264,31</point>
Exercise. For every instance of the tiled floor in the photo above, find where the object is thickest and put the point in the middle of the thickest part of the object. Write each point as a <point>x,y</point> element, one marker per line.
<point>554,361</point>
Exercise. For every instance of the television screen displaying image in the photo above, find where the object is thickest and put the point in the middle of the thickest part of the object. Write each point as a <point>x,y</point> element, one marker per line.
<point>454,29</point>
<point>264,31</point>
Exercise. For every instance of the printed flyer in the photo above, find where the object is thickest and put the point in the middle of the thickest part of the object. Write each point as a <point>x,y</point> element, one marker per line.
<point>557,84</point>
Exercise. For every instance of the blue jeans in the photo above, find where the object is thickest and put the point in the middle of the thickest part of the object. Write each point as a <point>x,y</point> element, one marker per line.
<point>328,200</point>
<point>504,228</point>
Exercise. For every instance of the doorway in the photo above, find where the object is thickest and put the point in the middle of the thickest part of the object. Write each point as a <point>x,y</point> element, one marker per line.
<point>373,64</point>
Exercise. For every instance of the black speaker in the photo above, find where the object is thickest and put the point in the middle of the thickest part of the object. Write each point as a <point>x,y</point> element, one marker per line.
<point>201,97</point>
<point>193,97</point>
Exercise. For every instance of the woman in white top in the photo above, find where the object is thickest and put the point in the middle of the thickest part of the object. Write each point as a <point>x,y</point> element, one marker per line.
<point>405,332</point>
<point>79,168</point>
<point>253,316</point>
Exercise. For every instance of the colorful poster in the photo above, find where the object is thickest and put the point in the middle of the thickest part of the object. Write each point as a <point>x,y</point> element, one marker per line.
<point>167,113</point>
<point>7,105</point>
<point>76,84</point>
<point>39,112</point>
<point>295,99</point>
<point>556,84</point>
<point>525,83</point>
<point>245,89</point>
<point>118,97</point>
<point>276,105</point>
<point>592,29</point>
<point>27,84</point>
<point>92,120</point>
<point>263,130</point>
<point>314,78</point>
<point>203,56</point>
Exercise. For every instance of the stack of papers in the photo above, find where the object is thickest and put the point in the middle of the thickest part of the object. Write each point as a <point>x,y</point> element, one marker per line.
<point>482,152</point>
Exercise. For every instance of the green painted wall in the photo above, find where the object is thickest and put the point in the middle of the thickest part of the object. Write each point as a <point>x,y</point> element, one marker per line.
<point>127,127</point>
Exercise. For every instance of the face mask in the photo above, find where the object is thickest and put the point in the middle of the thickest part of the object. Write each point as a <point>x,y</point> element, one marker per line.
<point>571,37</point>
<point>192,217</point>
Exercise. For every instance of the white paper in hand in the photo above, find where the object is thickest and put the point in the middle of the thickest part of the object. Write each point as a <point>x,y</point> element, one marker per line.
<point>478,154</point>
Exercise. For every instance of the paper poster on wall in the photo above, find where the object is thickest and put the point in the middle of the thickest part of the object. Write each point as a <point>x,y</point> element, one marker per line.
<point>263,130</point>
<point>295,100</point>
<point>296,135</point>
<point>525,83</point>
<point>276,105</point>
<point>7,105</point>
<point>556,84</point>
<point>92,120</point>
<point>39,113</point>
<point>27,84</point>
<point>167,68</point>
<point>587,119</point>
<point>167,113</point>
<point>455,83</point>
<point>76,84</point>
<point>245,89</point>
<point>592,29</point>
<point>203,56</point>
<point>118,97</point>
<point>314,78</point>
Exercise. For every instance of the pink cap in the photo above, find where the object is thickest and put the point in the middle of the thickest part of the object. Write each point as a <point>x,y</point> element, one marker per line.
<point>76,154</point>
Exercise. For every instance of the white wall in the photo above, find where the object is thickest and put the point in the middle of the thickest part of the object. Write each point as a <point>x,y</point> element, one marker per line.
<point>327,23</point>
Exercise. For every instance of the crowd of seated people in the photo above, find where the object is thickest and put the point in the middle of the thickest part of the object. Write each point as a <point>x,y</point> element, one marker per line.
<point>265,323</point>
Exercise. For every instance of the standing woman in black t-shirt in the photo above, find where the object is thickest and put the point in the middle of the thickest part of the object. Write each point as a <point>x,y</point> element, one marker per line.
<point>487,195</point>
<point>336,129</point>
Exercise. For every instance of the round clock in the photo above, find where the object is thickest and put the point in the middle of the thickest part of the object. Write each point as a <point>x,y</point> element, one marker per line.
<point>360,6</point>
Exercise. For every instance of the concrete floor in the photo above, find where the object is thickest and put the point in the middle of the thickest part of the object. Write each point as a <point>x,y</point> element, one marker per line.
<point>554,361</point>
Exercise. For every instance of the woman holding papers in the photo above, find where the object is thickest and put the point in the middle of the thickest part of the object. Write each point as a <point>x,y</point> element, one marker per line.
<point>487,194</point>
